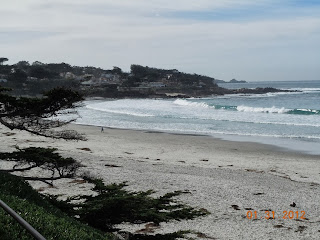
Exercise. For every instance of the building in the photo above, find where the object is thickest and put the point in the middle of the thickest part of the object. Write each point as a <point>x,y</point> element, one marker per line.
<point>110,78</point>
<point>152,84</point>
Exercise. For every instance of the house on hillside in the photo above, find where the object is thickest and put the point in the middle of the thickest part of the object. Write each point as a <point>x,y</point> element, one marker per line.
<point>32,79</point>
<point>168,76</point>
<point>69,75</point>
<point>3,78</point>
<point>110,78</point>
<point>88,83</point>
<point>141,89</point>
<point>153,84</point>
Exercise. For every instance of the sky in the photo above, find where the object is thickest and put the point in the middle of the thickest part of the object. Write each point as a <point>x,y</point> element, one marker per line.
<point>253,40</point>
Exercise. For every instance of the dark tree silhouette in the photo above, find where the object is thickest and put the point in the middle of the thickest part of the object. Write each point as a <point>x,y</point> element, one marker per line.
<point>40,72</point>
<point>17,76</point>
<point>23,65</point>
<point>37,115</point>
<point>45,158</point>
<point>3,59</point>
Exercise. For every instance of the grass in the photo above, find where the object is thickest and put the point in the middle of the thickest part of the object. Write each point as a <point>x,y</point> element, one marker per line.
<point>37,211</point>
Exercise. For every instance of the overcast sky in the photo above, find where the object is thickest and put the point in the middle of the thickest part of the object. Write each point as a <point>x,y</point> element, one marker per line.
<point>253,40</point>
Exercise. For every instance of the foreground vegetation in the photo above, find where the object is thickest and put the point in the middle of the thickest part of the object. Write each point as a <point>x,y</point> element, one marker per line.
<point>93,217</point>
<point>110,206</point>
<point>114,205</point>
<point>51,222</point>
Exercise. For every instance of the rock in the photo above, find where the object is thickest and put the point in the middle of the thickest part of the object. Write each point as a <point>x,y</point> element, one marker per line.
<point>293,204</point>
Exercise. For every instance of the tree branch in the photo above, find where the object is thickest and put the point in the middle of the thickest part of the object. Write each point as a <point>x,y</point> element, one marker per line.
<point>17,170</point>
<point>46,178</point>
<point>66,134</point>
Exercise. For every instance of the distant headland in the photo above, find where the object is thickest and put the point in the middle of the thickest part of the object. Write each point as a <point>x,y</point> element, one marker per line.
<point>231,81</point>
<point>141,82</point>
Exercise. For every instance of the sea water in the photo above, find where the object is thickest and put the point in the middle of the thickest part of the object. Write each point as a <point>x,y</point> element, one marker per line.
<point>286,119</point>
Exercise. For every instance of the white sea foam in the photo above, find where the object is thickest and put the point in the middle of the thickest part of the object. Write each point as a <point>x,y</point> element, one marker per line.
<point>120,112</point>
<point>306,90</point>
<point>261,109</point>
<point>183,102</point>
<point>308,110</point>
<point>254,121</point>
<point>232,115</point>
<point>272,94</point>
<point>266,135</point>
<point>289,124</point>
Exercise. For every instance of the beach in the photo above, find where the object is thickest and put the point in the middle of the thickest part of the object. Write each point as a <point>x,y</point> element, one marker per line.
<point>226,178</point>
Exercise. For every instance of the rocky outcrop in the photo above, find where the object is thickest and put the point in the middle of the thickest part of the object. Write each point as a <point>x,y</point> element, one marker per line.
<point>257,90</point>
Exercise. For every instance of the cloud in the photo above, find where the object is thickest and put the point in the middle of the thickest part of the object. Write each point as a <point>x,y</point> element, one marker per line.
<point>181,5</point>
<point>234,37</point>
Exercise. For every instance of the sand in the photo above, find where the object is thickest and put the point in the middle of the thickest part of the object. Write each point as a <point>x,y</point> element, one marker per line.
<point>226,178</point>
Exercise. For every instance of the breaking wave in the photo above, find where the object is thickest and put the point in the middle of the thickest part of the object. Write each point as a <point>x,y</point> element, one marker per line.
<point>121,112</point>
<point>278,110</point>
<point>262,109</point>
<point>243,108</point>
<point>183,102</point>
<point>304,112</point>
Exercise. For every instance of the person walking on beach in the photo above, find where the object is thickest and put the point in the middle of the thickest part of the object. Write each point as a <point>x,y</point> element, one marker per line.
<point>102,130</point>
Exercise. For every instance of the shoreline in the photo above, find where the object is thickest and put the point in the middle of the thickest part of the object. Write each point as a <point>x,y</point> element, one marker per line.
<point>214,173</point>
<point>275,145</point>
<point>291,142</point>
<point>245,148</point>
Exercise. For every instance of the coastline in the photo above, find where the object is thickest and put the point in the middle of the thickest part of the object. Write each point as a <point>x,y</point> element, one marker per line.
<point>216,174</point>
<point>248,124</point>
<point>192,148</point>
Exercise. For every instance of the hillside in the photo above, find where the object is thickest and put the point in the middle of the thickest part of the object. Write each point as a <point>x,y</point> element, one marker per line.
<point>142,82</point>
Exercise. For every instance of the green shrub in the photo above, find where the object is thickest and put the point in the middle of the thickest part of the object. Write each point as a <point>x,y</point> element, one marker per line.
<point>114,205</point>
<point>37,211</point>
<point>44,158</point>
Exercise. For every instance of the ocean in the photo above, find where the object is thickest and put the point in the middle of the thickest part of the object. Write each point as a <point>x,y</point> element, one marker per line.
<point>288,120</point>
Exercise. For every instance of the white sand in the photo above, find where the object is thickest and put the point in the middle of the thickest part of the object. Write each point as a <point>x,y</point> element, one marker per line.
<point>217,174</point>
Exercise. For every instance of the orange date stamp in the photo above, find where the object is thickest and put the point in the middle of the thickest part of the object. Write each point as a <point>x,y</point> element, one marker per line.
<point>274,215</point>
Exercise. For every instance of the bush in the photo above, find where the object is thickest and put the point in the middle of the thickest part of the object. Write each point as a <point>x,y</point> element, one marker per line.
<point>114,205</point>
<point>37,211</point>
